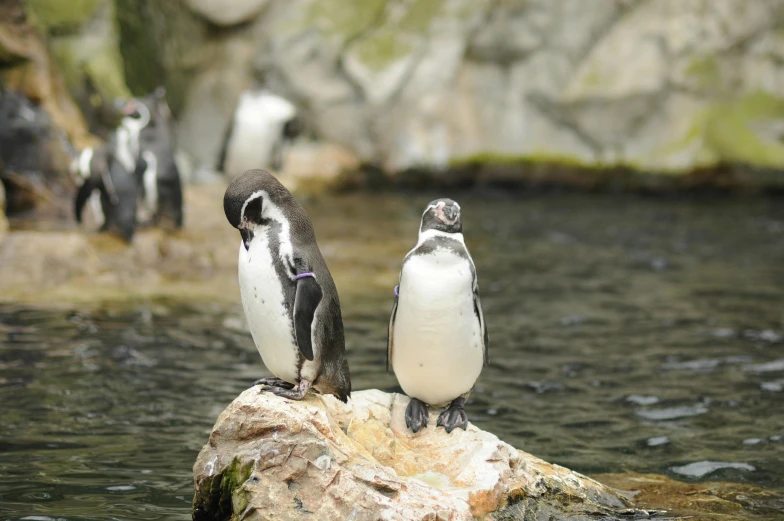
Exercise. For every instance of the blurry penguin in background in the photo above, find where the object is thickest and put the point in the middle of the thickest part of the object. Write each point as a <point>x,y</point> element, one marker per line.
<point>263,125</point>
<point>158,176</point>
<point>112,171</point>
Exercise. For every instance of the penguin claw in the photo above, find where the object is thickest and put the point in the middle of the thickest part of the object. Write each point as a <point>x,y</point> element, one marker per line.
<point>293,394</point>
<point>416,415</point>
<point>273,382</point>
<point>454,416</point>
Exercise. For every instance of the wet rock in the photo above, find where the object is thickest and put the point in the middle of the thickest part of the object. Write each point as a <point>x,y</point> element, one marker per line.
<point>85,42</point>
<point>269,457</point>
<point>3,220</point>
<point>227,13</point>
<point>312,165</point>
<point>717,501</point>
<point>36,160</point>
<point>27,68</point>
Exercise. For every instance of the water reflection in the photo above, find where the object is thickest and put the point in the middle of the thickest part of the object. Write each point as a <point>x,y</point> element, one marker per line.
<point>626,335</point>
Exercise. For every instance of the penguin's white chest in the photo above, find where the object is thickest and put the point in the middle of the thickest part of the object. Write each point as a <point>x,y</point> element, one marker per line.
<point>263,302</point>
<point>437,350</point>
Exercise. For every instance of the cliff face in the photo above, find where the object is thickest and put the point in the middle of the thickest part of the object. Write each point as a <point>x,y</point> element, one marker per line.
<point>663,86</point>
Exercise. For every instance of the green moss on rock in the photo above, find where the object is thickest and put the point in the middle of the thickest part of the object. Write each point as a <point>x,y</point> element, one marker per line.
<point>345,18</point>
<point>704,70</point>
<point>729,130</point>
<point>60,14</point>
<point>381,49</point>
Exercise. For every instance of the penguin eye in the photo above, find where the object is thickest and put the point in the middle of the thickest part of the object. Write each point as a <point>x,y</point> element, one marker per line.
<point>253,211</point>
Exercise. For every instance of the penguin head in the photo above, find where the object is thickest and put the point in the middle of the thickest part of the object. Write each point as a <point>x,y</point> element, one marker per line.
<point>245,199</point>
<point>442,215</point>
<point>133,112</point>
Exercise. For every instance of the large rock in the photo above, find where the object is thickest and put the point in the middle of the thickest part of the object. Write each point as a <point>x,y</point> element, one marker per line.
<point>224,13</point>
<point>85,42</point>
<point>272,458</point>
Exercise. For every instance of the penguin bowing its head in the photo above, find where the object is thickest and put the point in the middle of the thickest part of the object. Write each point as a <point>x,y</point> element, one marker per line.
<point>437,335</point>
<point>290,301</point>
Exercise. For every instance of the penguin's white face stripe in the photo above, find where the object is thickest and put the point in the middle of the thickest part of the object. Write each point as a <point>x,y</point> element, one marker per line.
<point>433,206</point>
<point>270,210</point>
<point>253,197</point>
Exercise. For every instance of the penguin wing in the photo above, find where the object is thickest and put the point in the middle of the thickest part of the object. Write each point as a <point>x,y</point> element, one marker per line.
<point>391,334</point>
<point>481,317</point>
<point>306,301</point>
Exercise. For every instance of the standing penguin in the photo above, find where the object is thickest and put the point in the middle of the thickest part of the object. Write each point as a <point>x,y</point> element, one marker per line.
<point>288,295</point>
<point>437,334</point>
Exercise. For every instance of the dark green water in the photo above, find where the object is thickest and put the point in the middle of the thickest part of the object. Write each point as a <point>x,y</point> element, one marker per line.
<point>627,334</point>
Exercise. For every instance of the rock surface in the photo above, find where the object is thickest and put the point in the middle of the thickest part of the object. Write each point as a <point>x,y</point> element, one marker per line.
<point>272,458</point>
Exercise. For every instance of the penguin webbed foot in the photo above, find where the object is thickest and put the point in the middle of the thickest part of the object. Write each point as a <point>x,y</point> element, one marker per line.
<point>416,415</point>
<point>273,382</point>
<point>454,416</point>
<point>292,394</point>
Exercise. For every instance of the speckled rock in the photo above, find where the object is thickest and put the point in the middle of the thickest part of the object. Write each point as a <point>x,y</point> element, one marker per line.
<point>272,458</point>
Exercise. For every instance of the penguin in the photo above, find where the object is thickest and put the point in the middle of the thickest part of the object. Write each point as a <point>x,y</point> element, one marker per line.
<point>437,335</point>
<point>113,173</point>
<point>290,301</point>
<point>82,169</point>
<point>162,198</point>
<point>263,124</point>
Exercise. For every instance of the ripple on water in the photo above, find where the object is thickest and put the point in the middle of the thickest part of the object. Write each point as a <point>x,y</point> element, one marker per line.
<point>703,468</point>
<point>672,413</point>
<point>657,441</point>
<point>766,367</point>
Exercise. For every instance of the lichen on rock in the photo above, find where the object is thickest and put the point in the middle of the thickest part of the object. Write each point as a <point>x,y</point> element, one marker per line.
<point>272,458</point>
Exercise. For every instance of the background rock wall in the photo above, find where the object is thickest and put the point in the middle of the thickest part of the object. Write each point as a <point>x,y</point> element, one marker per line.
<point>663,86</point>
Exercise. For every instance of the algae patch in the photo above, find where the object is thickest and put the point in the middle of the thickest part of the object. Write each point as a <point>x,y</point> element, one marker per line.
<point>729,133</point>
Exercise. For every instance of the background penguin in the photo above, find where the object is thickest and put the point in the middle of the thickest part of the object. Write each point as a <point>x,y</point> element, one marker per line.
<point>437,334</point>
<point>82,168</point>
<point>112,172</point>
<point>263,124</point>
<point>160,179</point>
<point>288,295</point>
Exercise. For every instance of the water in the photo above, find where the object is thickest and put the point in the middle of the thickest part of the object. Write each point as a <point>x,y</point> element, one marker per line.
<point>627,334</point>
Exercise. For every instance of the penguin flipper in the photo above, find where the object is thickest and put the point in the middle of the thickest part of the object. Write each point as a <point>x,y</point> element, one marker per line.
<point>391,334</point>
<point>482,326</point>
<point>306,301</point>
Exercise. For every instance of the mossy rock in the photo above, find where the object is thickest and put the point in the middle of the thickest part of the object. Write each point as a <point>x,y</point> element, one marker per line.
<point>729,133</point>
<point>61,15</point>
<point>103,65</point>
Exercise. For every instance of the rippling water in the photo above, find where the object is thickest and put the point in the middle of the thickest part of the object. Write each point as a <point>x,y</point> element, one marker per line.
<point>627,334</point>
